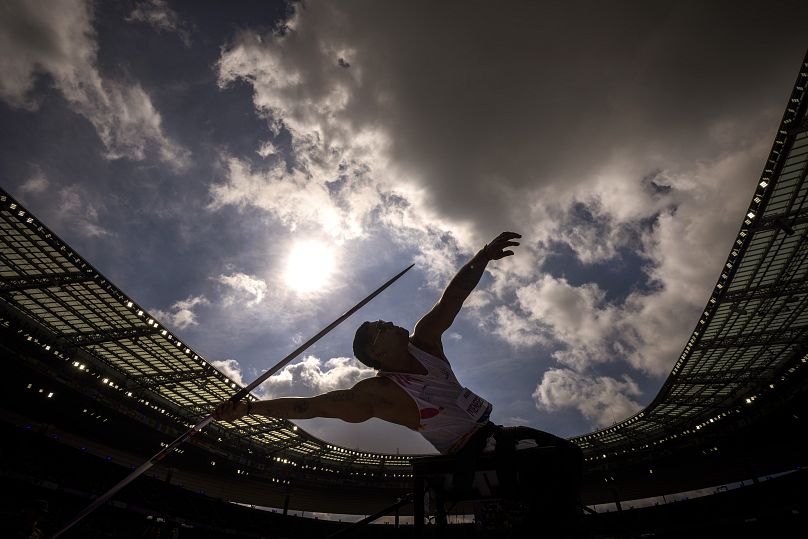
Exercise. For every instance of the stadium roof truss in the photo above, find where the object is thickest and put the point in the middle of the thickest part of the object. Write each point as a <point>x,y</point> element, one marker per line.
<point>751,334</point>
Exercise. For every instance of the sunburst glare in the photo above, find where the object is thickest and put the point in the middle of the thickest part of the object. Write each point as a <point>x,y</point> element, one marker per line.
<point>309,266</point>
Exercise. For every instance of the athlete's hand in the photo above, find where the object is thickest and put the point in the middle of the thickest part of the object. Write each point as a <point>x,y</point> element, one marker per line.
<point>497,248</point>
<point>230,411</point>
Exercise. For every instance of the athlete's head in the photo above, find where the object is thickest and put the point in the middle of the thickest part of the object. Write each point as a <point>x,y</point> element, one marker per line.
<point>373,341</point>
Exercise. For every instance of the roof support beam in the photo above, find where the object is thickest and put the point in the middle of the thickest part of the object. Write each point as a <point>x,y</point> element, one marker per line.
<point>274,448</point>
<point>89,338</point>
<point>776,290</point>
<point>663,420</point>
<point>723,378</point>
<point>699,401</point>
<point>150,381</point>
<point>789,335</point>
<point>799,128</point>
<point>27,282</point>
<point>257,430</point>
<point>773,222</point>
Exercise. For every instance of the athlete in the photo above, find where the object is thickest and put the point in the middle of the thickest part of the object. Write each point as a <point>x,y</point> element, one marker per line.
<point>414,386</point>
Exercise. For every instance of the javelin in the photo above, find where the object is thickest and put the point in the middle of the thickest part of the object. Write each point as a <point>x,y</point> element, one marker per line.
<point>240,394</point>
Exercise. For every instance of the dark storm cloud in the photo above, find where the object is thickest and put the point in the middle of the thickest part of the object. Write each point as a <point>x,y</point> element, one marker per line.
<point>487,102</point>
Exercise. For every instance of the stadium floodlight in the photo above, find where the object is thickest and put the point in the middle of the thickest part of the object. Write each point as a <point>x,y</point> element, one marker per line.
<point>239,395</point>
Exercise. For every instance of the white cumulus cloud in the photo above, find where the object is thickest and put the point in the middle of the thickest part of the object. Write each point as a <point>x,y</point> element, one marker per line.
<point>312,376</point>
<point>230,368</point>
<point>180,314</point>
<point>245,287</point>
<point>602,399</point>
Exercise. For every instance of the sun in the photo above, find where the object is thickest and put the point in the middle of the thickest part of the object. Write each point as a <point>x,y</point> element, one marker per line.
<point>309,266</point>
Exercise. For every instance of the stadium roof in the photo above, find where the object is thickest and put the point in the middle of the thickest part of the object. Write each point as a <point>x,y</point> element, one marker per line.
<point>750,336</point>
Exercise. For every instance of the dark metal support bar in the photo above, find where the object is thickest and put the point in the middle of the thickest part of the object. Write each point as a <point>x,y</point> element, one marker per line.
<point>150,381</point>
<point>775,290</point>
<point>768,337</point>
<point>98,337</point>
<point>15,284</point>
<point>772,222</point>
<point>257,430</point>
<point>404,500</point>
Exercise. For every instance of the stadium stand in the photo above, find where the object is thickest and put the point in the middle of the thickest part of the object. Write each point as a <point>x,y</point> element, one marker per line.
<point>94,384</point>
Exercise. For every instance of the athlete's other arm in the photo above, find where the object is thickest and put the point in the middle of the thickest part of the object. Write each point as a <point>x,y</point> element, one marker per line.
<point>428,330</point>
<point>353,405</point>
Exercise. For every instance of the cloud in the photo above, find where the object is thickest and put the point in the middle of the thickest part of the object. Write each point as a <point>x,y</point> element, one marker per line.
<point>266,149</point>
<point>294,198</point>
<point>78,212</point>
<point>602,400</point>
<point>59,41</point>
<point>181,314</point>
<point>230,368</point>
<point>687,246</point>
<point>514,328</point>
<point>682,234</point>
<point>312,376</point>
<point>245,287</point>
<point>456,113</point>
<point>576,317</point>
<point>36,183</point>
<point>159,15</point>
<point>337,176</point>
<point>431,153</point>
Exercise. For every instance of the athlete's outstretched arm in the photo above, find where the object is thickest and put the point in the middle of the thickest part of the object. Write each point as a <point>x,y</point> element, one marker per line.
<point>429,329</point>
<point>353,405</point>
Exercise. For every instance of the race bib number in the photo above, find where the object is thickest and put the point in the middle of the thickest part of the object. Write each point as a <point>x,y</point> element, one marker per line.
<point>474,405</point>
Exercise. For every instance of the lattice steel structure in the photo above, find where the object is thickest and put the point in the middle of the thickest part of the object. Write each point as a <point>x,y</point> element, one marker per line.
<point>750,337</point>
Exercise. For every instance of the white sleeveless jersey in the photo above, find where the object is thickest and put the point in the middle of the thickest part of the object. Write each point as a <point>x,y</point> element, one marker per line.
<point>449,412</point>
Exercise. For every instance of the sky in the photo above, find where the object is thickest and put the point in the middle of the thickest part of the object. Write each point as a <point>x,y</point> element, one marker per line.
<point>247,171</point>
